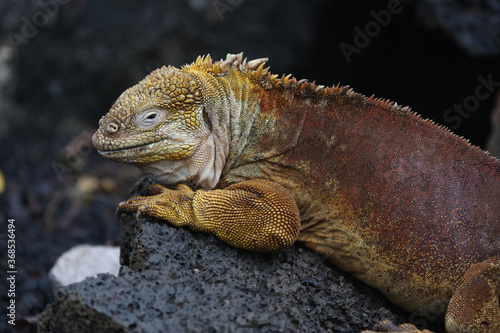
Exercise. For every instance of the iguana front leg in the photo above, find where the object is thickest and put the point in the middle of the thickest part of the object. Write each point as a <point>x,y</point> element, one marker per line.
<point>256,215</point>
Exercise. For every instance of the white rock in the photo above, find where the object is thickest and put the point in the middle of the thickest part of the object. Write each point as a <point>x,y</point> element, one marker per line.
<point>83,261</point>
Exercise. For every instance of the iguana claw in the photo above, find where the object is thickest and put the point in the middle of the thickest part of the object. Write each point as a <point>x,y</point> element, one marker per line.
<point>174,206</point>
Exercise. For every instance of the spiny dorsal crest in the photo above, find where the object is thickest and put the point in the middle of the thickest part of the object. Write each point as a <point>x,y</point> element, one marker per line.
<point>268,80</point>
<point>254,67</point>
<point>235,61</point>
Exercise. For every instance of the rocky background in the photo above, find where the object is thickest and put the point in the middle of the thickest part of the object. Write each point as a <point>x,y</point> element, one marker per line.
<point>64,62</point>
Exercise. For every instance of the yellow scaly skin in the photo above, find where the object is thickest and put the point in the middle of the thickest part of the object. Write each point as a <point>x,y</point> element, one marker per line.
<point>401,203</point>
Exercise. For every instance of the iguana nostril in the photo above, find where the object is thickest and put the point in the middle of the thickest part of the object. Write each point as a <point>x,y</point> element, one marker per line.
<point>112,128</point>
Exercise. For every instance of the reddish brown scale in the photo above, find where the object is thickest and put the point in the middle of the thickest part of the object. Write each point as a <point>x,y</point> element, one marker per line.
<point>412,191</point>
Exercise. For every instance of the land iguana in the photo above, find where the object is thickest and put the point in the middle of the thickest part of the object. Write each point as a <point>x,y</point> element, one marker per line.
<point>401,203</point>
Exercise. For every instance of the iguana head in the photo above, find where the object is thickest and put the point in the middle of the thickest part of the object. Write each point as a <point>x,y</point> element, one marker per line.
<point>158,126</point>
<point>177,124</point>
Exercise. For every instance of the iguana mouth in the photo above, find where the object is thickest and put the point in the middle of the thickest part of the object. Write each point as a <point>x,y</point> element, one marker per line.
<point>138,148</point>
<point>103,146</point>
<point>149,152</point>
<point>135,154</point>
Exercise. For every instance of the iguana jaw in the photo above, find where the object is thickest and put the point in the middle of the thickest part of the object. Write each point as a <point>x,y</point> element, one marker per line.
<point>128,155</point>
<point>178,158</point>
<point>163,149</point>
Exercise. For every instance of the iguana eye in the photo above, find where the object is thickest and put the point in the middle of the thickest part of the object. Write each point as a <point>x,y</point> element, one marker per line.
<point>149,118</point>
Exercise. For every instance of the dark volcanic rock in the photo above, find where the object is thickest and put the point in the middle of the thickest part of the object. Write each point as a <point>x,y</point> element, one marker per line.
<point>183,281</point>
